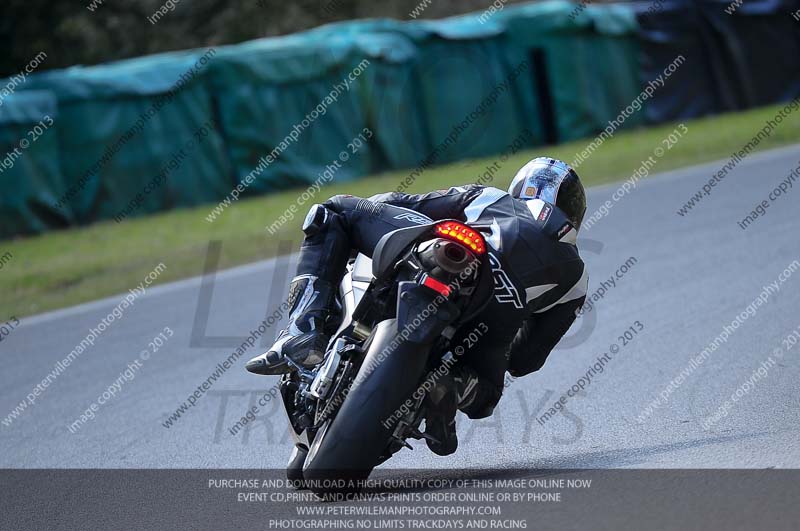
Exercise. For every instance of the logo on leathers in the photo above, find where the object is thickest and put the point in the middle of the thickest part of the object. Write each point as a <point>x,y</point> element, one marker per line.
<point>504,290</point>
<point>413,218</point>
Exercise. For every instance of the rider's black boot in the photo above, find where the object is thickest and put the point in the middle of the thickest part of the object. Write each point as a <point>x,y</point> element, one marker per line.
<point>452,390</point>
<point>304,340</point>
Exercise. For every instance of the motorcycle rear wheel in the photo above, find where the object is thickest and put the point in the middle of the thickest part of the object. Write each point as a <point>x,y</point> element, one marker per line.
<point>346,449</point>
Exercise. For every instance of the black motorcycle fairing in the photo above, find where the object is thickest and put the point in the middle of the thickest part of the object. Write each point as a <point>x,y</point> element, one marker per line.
<point>423,313</point>
<point>392,244</point>
<point>483,290</point>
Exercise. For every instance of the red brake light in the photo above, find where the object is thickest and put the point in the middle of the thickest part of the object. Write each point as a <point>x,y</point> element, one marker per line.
<point>460,233</point>
<point>436,285</point>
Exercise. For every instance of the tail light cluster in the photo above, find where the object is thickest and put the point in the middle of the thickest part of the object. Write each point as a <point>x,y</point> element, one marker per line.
<point>460,233</point>
<point>452,251</point>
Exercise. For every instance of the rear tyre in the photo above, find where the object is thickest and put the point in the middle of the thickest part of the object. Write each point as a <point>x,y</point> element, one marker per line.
<point>345,451</point>
<point>294,470</point>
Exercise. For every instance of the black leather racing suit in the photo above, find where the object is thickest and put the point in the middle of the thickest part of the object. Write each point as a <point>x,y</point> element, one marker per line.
<point>540,279</point>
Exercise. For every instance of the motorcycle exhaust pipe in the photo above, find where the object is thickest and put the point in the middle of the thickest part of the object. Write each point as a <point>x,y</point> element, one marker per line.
<point>445,254</point>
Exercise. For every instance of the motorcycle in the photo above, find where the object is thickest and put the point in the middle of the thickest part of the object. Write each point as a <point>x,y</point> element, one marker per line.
<point>397,314</point>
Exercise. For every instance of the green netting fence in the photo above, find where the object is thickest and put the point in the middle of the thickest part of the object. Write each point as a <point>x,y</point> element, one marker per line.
<point>182,129</point>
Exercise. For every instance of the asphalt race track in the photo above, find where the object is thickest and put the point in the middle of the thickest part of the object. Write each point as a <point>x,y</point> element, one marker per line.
<point>690,277</point>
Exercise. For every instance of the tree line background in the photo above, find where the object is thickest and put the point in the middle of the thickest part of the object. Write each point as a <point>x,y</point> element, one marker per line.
<point>71,34</point>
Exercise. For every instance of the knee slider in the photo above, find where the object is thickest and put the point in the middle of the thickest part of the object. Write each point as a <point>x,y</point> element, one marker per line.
<point>485,398</point>
<point>316,218</point>
<point>478,411</point>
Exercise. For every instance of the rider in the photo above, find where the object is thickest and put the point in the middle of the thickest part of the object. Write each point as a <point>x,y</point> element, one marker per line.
<point>540,281</point>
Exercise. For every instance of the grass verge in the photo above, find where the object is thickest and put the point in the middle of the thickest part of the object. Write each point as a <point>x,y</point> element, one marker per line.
<point>64,268</point>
